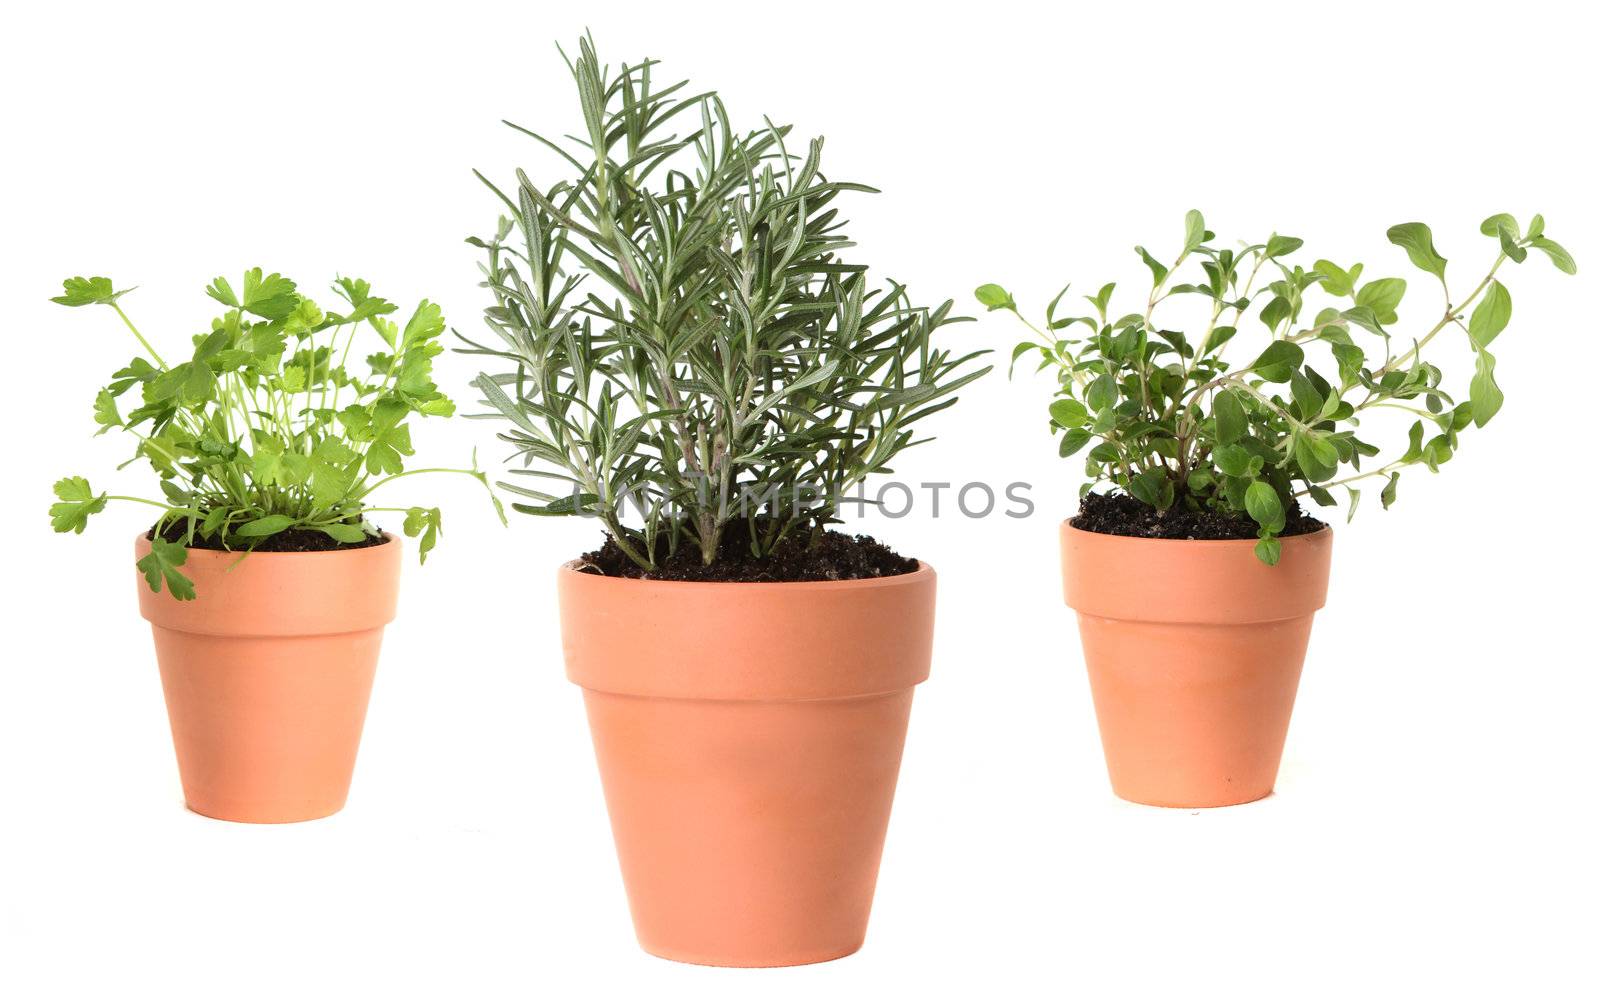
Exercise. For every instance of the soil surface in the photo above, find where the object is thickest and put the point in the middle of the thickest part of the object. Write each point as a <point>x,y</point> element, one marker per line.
<point>288,541</point>
<point>1116,514</point>
<point>830,557</point>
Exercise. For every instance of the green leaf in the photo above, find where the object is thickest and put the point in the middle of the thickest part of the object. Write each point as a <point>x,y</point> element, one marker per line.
<point>1102,393</point>
<point>1278,245</point>
<point>1508,244</point>
<point>1417,240</point>
<point>1491,314</point>
<point>81,291</point>
<point>78,503</point>
<point>1501,221</point>
<point>569,505</point>
<point>425,324</point>
<point>1307,400</point>
<point>1269,549</point>
<point>1153,488</point>
<point>343,532</point>
<point>105,411</point>
<point>272,296</point>
<point>1484,393</point>
<point>265,526</point>
<point>1261,501</point>
<point>1158,271</point>
<point>1194,230</point>
<point>995,297</point>
<point>1557,253</point>
<point>1234,461</point>
<point>1228,411</point>
<point>428,523</point>
<point>1316,457</point>
<point>1278,362</point>
<point>1073,441</point>
<point>161,564</point>
<point>1382,296</point>
<point>1388,490</point>
<point>1335,280</point>
<point>1355,500</point>
<point>1069,413</point>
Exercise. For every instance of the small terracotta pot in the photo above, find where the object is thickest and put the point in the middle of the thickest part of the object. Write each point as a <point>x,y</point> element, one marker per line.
<point>1194,649</point>
<point>749,740</point>
<point>267,675</point>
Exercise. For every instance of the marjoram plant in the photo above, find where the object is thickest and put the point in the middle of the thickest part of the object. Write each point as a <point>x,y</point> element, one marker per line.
<point>262,429</point>
<point>1174,424</point>
<point>684,335</point>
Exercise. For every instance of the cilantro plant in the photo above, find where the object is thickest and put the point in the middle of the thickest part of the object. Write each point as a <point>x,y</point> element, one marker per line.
<point>684,336</point>
<point>1173,423</point>
<point>262,430</point>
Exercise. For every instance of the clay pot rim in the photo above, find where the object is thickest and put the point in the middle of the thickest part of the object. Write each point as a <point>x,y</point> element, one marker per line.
<point>1326,532</point>
<point>924,572</point>
<point>391,542</point>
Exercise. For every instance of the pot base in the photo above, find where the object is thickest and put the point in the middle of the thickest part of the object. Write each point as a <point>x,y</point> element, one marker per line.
<point>257,817</point>
<point>1150,802</point>
<point>751,962</point>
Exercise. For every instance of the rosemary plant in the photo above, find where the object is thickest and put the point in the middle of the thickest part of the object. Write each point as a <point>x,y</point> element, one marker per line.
<point>1175,425</point>
<point>690,357</point>
<point>262,430</point>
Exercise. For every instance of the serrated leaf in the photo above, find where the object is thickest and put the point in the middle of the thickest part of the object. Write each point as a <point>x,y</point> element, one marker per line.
<point>161,565</point>
<point>270,296</point>
<point>424,522</point>
<point>77,503</point>
<point>82,291</point>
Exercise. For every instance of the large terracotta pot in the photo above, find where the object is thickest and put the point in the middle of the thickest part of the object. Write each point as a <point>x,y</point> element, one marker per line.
<point>1194,649</point>
<point>749,739</point>
<point>267,674</point>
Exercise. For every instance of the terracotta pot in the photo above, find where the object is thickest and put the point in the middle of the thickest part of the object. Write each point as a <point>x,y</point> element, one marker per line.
<point>749,739</point>
<point>1194,650</point>
<point>267,674</point>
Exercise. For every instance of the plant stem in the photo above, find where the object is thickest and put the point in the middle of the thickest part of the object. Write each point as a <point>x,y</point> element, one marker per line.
<point>139,335</point>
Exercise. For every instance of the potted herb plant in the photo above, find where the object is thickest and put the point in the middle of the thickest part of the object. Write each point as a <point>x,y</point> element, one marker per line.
<point>1192,567</point>
<point>264,577</point>
<point>693,365</point>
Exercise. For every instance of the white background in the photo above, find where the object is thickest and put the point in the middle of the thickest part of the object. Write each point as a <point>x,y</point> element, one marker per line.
<point>1435,818</point>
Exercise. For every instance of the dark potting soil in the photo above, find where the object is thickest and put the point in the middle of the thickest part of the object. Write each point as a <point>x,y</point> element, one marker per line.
<point>288,541</point>
<point>1116,514</point>
<point>830,557</point>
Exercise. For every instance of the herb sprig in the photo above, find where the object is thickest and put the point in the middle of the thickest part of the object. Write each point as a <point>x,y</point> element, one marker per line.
<point>1179,427</point>
<point>262,429</point>
<point>684,335</point>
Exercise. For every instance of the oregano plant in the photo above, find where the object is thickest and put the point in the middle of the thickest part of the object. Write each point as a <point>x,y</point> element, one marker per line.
<point>263,428</point>
<point>1170,418</point>
<point>688,354</point>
